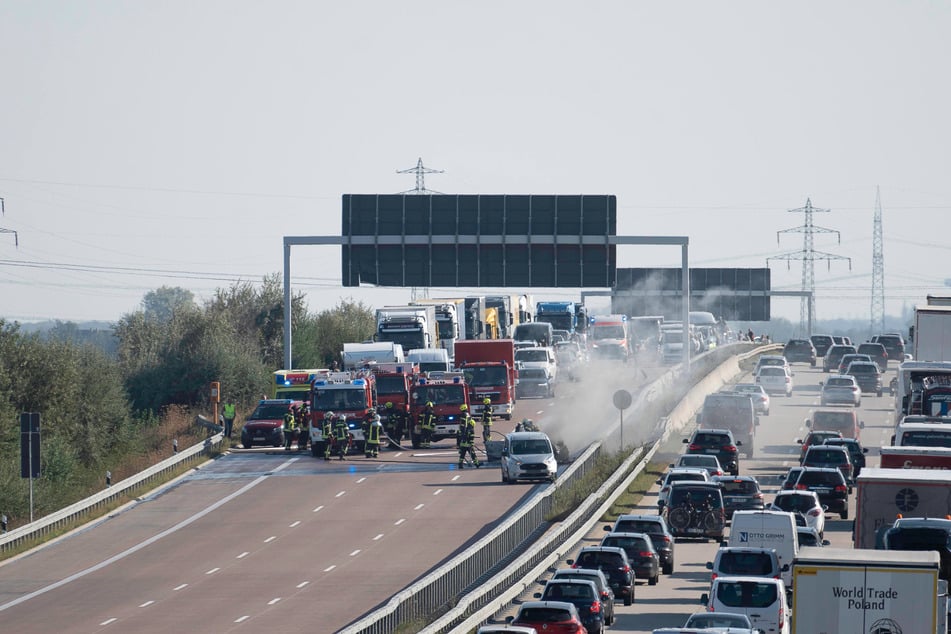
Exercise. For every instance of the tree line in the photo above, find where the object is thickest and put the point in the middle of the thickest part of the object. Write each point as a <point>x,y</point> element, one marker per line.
<point>111,403</point>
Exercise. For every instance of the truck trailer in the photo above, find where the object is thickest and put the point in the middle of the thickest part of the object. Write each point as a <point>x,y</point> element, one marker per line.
<point>409,326</point>
<point>932,340</point>
<point>861,591</point>
<point>915,458</point>
<point>884,494</point>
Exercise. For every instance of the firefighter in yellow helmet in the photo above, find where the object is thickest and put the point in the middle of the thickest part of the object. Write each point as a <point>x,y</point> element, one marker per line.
<point>290,426</point>
<point>427,425</point>
<point>486,418</point>
<point>465,437</point>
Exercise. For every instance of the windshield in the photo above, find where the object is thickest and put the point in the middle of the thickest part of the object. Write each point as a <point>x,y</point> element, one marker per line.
<point>527,354</point>
<point>440,394</point>
<point>558,322</point>
<point>637,526</point>
<point>917,539</point>
<point>269,411</point>
<point>532,332</point>
<point>926,438</point>
<point>349,398</point>
<point>531,446</point>
<point>701,621</point>
<point>542,615</point>
<point>489,376</point>
<point>772,371</point>
<point>746,564</point>
<point>445,327</point>
<point>532,374</point>
<point>390,384</point>
<point>409,340</point>
<point>833,419</point>
<point>630,544</point>
<point>607,332</point>
<point>746,594</point>
<point>795,503</point>
<point>739,486</point>
<point>840,383</point>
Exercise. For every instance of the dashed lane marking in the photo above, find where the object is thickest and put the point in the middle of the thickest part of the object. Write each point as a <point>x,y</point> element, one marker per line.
<point>399,521</point>
<point>294,524</point>
<point>361,480</point>
<point>181,587</point>
<point>340,494</point>
<point>146,604</point>
<point>378,537</point>
<point>212,571</point>
<point>145,543</point>
<point>302,584</point>
<point>108,621</point>
<point>274,600</point>
<point>355,553</point>
<point>243,555</point>
<point>242,618</point>
<point>418,506</point>
<point>329,568</point>
<point>270,539</point>
<point>437,491</point>
<point>318,508</point>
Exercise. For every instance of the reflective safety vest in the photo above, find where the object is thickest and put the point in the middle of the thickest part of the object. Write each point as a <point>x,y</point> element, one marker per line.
<point>289,421</point>
<point>326,428</point>
<point>229,410</point>
<point>487,415</point>
<point>427,419</point>
<point>341,430</point>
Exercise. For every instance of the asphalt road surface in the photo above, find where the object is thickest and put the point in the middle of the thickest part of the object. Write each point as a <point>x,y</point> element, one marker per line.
<point>669,603</point>
<point>268,540</point>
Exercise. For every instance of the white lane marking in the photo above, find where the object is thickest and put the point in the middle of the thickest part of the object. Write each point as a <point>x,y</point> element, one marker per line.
<point>437,491</point>
<point>541,411</point>
<point>108,621</point>
<point>418,506</point>
<point>302,584</point>
<point>243,555</point>
<point>318,508</point>
<point>212,571</point>
<point>270,539</point>
<point>399,521</point>
<point>146,604</point>
<point>181,587</point>
<point>148,542</point>
<point>455,477</point>
<point>360,480</point>
<point>294,524</point>
<point>398,454</point>
<point>355,553</point>
<point>329,568</point>
<point>378,537</point>
<point>274,600</point>
<point>339,494</point>
<point>242,618</point>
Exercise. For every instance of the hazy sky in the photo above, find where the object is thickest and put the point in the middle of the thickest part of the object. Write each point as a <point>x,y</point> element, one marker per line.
<point>175,143</point>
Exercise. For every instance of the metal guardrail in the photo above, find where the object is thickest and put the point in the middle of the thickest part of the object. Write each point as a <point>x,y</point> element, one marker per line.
<point>58,520</point>
<point>440,591</point>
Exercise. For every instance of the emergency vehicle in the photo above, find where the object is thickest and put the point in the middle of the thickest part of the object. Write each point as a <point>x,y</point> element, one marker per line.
<point>393,381</point>
<point>349,393</point>
<point>294,384</point>
<point>447,391</point>
<point>609,337</point>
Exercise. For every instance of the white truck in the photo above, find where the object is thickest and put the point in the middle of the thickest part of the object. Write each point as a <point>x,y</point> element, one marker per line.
<point>932,337</point>
<point>409,326</point>
<point>430,359</point>
<point>846,591</point>
<point>359,355</point>
<point>883,494</point>
<point>450,320</point>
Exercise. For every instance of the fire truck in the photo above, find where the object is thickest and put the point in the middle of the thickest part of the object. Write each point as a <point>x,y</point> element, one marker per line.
<point>349,393</point>
<point>393,381</point>
<point>447,391</point>
<point>294,384</point>
<point>489,367</point>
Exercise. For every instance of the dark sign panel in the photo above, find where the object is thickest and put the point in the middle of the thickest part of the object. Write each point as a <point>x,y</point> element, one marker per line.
<point>479,240</point>
<point>29,444</point>
<point>733,294</point>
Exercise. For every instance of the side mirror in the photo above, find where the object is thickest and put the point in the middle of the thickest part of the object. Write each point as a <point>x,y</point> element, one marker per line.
<point>509,619</point>
<point>825,507</point>
<point>820,383</point>
<point>785,568</point>
<point>799,440</point>
<point>861,424</point>
<point>704,599</point>
<point>807,423</point>
<point>686,440</point>
<point>826,542</point>
<point>505,452</point>
<point>570,562</point>
<point>864,449</point>
<point>659,481</point>
<point>709,565</point>
<point>671,465</point>
<point>537,595</point>
<point>739,443</point>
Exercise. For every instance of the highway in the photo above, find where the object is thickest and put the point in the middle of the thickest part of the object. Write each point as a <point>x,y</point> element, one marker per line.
<point>675,597</point>
<point>268,540</point>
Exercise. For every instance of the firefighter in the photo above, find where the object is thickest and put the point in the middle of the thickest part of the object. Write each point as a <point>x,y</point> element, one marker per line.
<point>365,424</point>
<point>327,432</point>
<point>341,436</point>
<point>465,437</point>
<point>394,424</point>
<point>486,419</point>
<point>303,424</point>
<point>427,424</point>
<point>290,424</point>
<point>372,438</point>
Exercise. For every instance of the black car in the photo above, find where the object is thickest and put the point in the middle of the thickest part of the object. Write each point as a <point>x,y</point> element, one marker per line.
<point>920,533</point>
<point>894,345</point>
<point>867,375</point>
<point>800,350</point>
<point>582,594</point>
<point>695,509</point>
<point>640,552</point>
<point>830,485</point>
<point>740,493</point>
<point>601,583</point>
<point>856,452</point>
<point>834,355</point>
<point>655,527</point>
<point>822,343</point>
<point>877,352</point>
<point>614,564</point>
<point>719,443</point>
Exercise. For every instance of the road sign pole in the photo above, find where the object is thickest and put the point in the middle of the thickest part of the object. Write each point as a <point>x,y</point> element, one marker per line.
<point>31,487</point>
<point>622,429</point>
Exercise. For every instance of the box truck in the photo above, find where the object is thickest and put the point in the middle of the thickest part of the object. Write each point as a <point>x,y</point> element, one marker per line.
<point>881,495</point>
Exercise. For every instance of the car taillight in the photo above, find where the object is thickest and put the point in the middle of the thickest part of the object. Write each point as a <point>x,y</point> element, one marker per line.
<point>730,448</point>
<point>604,595</point>
<point>758,496</point>
<point>694,447</point>
<point>666,539</point>
<point>645,553</point>
<point>575,565</point>
<point>801,487</point>
<point>713,576</point>
<point>840,487</point>
<point>814,512</point>
<point>595,607</point>
<point>625,568</point>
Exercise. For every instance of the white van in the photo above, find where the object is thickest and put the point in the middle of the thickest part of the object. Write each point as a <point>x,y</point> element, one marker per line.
<point>767,529</point>
<point>760,598</point>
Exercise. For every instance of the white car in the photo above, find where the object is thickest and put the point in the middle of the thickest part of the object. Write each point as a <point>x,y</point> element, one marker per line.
<point>775,379</point>
<point>770,359</point>
<point>528,455</point>
<point>804,504</point>
<point>537,357</point>
<point>708,463</point>
<point>756,393</point>
<point>763,599</point>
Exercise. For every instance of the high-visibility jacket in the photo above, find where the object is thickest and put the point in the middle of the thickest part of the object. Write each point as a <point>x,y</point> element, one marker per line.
<point>341,431</point>
<point>427,419</point>
<point>487,415</point>
<point>229,410</point>
<point>466,432</point>
<point>374,431</point>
